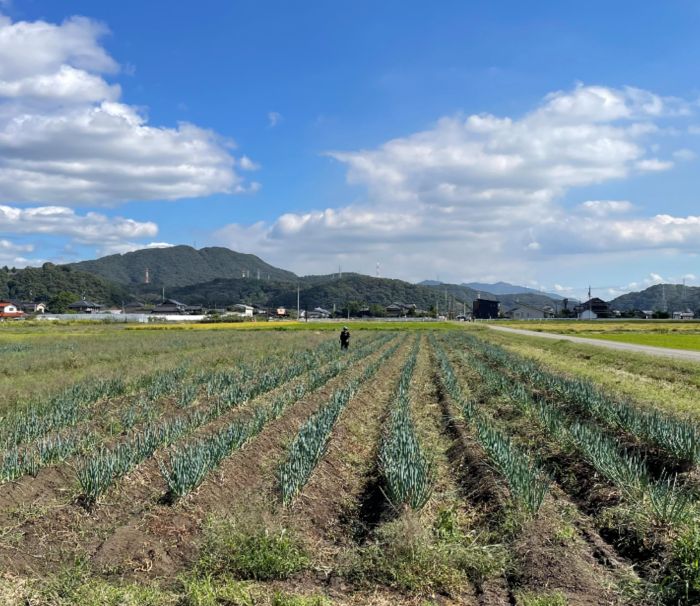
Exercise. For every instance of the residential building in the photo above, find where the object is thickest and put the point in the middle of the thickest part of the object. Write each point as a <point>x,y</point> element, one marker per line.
<point>597,307</point>
<point>528,312</point>
<point>9,310</point>
<point>85,307</point>
<point>170,306</point>
<point>243,310</point>
<point>683,315</point>
<point>136,307</point>
<point>318,313</point>
<point>32,308</point>
<point>400,310</point>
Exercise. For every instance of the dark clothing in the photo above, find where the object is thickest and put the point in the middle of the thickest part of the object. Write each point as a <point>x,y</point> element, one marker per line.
<point>344,338</point>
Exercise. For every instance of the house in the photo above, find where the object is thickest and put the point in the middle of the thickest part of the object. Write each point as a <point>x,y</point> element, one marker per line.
<point>485,309</point>
<point>85,307</point>
<point>647,314</point>
<point>281,312</point>
<point>597,308</point>
<point>243,310</point>
<point>528,312</point>
<point>32,308</point>
<point>400,310</point>
<point>194,310</point>
<point>136,307</point>
<point>683,315</point>
<point>169,306</point>
<point>318,313</point>
<point>9,310</point>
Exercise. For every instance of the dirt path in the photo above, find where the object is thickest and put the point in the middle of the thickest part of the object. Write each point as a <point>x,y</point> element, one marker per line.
<point>677,354</point>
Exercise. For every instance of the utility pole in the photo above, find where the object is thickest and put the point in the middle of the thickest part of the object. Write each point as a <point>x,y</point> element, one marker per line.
<point>298,316</point>
<point>590,304</point>
<point>664,304</point>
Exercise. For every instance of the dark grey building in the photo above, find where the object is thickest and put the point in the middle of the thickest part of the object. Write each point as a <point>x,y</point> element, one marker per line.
<point>485,309</point>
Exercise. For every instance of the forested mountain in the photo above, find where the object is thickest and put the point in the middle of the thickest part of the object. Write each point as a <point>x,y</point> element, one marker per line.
<point>181,266</point>
<point>46,282</point>
<point>660,297</point>
<point>354,289</point>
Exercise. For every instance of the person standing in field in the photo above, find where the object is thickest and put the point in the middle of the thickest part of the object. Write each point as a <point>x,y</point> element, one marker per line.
<point>344,338</point>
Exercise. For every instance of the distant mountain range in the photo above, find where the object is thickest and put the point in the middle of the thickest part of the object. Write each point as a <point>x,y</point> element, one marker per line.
<point>498,288</point>
<point>218,276</point>
<point>505,288</point>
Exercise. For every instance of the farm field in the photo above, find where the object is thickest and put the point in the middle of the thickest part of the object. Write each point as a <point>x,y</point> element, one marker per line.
<point>675,335</point>
<point>429,464</point>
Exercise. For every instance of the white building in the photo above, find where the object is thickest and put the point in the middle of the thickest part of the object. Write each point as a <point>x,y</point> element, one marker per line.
<point>243,310</point>
<point>588,315</point>
<point>527,312</point>
<point>683,315</point>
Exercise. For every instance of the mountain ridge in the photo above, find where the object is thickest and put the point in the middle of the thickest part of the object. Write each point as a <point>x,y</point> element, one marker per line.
<point>180,265</point>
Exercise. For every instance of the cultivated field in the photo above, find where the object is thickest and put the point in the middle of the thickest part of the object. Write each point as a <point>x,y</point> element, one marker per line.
<point>429,464</point>
<point>657,333</point>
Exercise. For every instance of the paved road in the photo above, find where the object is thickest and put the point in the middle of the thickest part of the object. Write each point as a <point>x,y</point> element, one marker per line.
<point>678,354</point>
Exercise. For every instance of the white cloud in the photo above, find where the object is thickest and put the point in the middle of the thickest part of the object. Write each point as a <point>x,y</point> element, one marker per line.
<point>684,155</point>
<point>576,234</point>
<point>12,254</point>
<point>65,136</point>
<point>602,208</point>
<point>482,194</point>
<point>119,248</point>
<point>91,228</point>
<point>273,119</point>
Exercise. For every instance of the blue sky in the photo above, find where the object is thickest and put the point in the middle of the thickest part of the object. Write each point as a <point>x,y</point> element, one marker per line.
<point>541,143</point>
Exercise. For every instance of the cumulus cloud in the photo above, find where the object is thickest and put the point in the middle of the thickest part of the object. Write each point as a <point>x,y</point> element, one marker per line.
<point>482,194</point>
<point>66,137</point>
<point>107,234</point>
<point>13,254</point>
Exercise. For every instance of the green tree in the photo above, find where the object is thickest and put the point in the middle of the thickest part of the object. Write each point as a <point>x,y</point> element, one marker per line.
<point>59,303</point>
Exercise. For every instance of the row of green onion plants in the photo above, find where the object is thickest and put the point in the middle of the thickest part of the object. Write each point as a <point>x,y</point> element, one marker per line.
<point>74,404</point>
<point>664,499</point>
<point>64,409</point>
<point>188,465</point>
<point>240,384</point>
<point>310,443</point>
<point>408,473</point>
<point>526,479</point>
<point>100,470</point>
<point>680,438</point>
<point>17,462</point>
